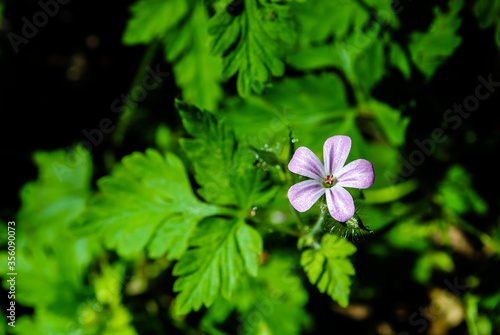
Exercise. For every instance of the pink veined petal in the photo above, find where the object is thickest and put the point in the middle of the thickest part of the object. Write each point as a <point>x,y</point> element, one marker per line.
<point>340,203</point>
<point>306,163</point>
<point>357,174</point>
<point>304,194</point>
<point>335,152</point>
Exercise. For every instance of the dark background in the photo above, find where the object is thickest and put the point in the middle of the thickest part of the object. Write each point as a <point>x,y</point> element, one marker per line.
<point>60,83</point>
<point>64,80</point>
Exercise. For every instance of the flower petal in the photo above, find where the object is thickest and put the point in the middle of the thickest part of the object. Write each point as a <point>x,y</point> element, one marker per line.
<point>340,203</point>
<point>357,174</point>
<point>335,152</point>
<point>306,163</point>
<point>304,194</point>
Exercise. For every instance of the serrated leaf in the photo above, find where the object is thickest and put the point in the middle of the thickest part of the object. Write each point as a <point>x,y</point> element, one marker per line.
<point>224,170</point>
<point>211,151</point>
<point>221,251</point>
<point>152,18</point>
<point>147,201</point>
<point>430,49</point>
<point>196,70</point>
<point>252,43</point>
<point>329,268</point>
<point>277,295</point>
<point>182,26</point>
<point>249,239</point>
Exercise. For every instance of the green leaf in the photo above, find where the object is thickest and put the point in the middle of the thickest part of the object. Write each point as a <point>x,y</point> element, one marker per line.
<point>43,265</point>
<point>399,59</point>
<point>152,18</point>
<point>314,57</point>
<point>312,106</point>
<point>212,152</point>
<point>221,251</point>
<point>249,239</point>
<point>487,12</point>
<point>224,170</point>
<point>252,43</point>
<point>357,47</point>
<point>196,71</point>
<point>182,26</point>
<point>429,261</point>
<point>412,234</point>
<point>457,194</point>
<point>73,308</point>
<point>48,254</point>
<point>319,20</point>
<point>329,269</point>
<point>146,201</point>
<point>430,49</point>
<point>365,62</point>
<point>477,324</point>
<point>390,120</point>
<point>277,296</point>
<point>271,303</point>
<point>59,194</point>
<point>216,315</point>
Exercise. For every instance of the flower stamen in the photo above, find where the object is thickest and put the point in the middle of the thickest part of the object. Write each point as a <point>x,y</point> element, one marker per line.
<point>329,180</point>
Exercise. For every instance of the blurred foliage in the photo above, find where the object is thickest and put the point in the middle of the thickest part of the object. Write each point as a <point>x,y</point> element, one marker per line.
<point>429,50</point>
<point>195,234</point>
<point>488,14</point>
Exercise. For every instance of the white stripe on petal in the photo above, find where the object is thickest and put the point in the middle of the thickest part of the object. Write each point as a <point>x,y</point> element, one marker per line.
<point>356,174</point>
<point>340,203</point>
<point>306,163</point>
<point>335,152</point>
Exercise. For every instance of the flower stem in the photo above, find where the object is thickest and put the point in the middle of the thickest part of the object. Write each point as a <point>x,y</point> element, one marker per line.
<point>317,226</point>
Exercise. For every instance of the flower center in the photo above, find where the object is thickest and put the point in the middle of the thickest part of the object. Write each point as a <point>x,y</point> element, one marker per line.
<point>329,181</point>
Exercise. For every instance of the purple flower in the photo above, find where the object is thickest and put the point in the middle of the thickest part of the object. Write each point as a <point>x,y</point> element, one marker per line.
<point>329,179</point>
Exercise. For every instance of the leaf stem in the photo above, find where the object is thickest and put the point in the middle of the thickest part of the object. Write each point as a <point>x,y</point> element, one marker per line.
<point>126,117</point>
<point>275,227</point>
<point>228,211</point>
